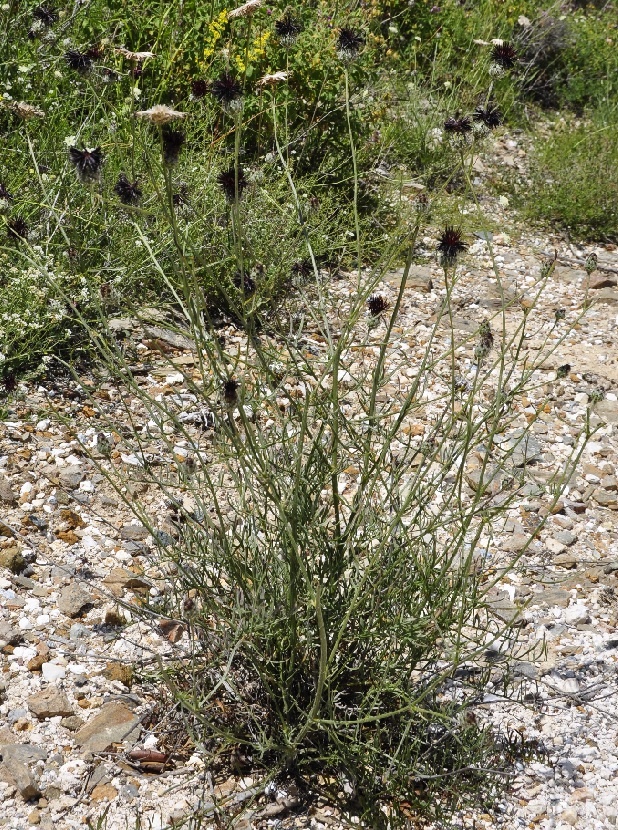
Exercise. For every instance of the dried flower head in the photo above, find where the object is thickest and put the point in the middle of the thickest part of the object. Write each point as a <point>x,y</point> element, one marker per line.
<point>246,10</point>
<point>377,304</point>
<point>451,245</point>
<point>596,395</point>
<point>287,29</point>
<point>486,342</point>
<point>488,116</point>
<point>79,61</point>
<point>96,52</point>
<point>422,203</point>
<point>458,125</point>
<point>182,197</point>
<point>87,163</point>
<point>228,183</point>
<point>559,314</point>
<point>245,283</point>
<point>172,142</point>
<point>591,263</point>
<point>274,78</point>
<point>23,110</point>
<point>228,92</point>
<point>9,381</point>
<point>563,371</point>
<point>135,57</point>
<point>160,115</point>
<point>349,44</point>
<point>17,228</point>
<point>46,14</point>
<point>128,193</point>
<point>503,58</point>
<point>230,391</point>
<point>199,88</point>
<point>302,270</point>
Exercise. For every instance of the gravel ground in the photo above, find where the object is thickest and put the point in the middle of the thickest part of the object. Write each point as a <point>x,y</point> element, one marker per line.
<point>78,736</point>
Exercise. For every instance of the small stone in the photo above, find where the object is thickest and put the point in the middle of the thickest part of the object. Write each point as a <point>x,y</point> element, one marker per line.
<point>112,725</point>
<point>6,491</point>
<point>565,537</point>
<point>103,792</point>
<point>72,723</point>
<point>605,498</point>
<point>12,559</point>
<point>134,533</point>
<point>554,546</point>
<point>34,817</point>
<point>119,672</point>
<point>18,774</point>
<point>517,542</point>
<point>575,614</point>
<point>566,560</point>
<point>52,672</point>
<point>609,483</point>
<point>49,703</point>
<point>73,599</point>
<point>569,816</point>
<point>71,476</point>
<point>602,281</point>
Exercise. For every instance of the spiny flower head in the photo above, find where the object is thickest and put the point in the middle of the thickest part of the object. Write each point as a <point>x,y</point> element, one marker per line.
<point>173,142</point>
<point>377,304</point>
<point>563,371</point>
<point>199,88</point>
<point>458,124</point>
<point>227,182</point>
<point>79,61</point>
<point>87,163</point>
<point>559,314</point>
<point>349,44</point>
<point>451,245</point>
<point>17,228</point>
<point>488,116</point>
<point>288,29</point>
<point>128,193</point>
<point>503,58</point>
<point>228,92</point>
<point>46,14</point>
<point>160,115</point>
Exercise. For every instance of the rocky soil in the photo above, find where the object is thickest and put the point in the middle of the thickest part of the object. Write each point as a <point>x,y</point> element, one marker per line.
<point>82,730</point>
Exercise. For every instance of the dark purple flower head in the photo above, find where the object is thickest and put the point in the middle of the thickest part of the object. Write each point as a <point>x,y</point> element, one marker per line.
<point>46,14</point>
<point>199,88</point>
<point>4,193</point>
<point>17,228</point>
<point>451,245</point>
<point>128,193</point>
<point>227,182</point>
<point>504,55</point>
<point>79,61</point>
<point>87,163</point>
<point>458,125</point>
<point>173,142</point>
<point>377,304</point>
<point>288,29</point>
<point>349,44</point>
<point>488,116</point>
<point>228,92</point>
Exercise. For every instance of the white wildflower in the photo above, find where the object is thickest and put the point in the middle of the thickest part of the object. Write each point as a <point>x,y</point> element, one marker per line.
<point>160,115</point>
<point>246,10</point>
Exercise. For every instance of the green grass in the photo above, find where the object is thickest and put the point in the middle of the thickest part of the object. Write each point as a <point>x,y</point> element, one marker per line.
<point>575,180</point>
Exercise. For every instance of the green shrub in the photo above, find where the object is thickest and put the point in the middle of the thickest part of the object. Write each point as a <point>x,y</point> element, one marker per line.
<point>575,180</point>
